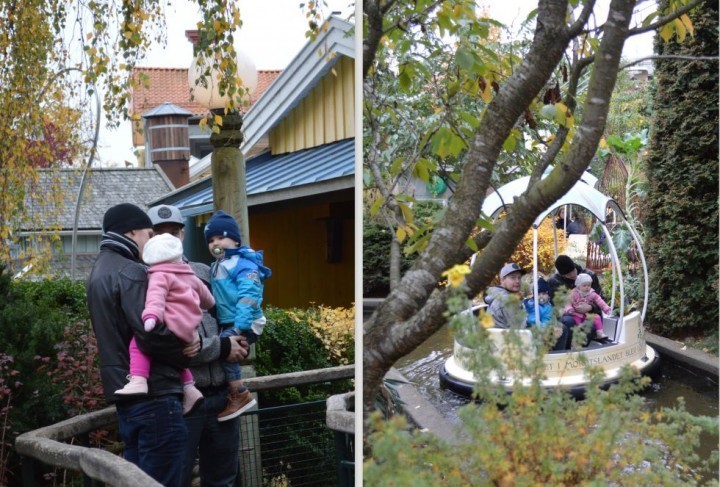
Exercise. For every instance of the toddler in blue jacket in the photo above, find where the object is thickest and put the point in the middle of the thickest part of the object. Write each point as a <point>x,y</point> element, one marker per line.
<point>545,308</point>
<point>236,278</point>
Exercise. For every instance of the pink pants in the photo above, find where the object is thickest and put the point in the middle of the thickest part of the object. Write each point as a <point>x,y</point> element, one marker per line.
<point>140,364</point>
<point>597,321</point>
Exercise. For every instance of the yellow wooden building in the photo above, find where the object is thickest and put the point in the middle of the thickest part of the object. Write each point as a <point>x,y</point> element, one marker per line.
<point>301,189</point>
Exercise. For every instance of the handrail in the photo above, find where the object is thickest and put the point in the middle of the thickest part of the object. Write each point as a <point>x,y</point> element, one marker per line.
<point>46,444</point>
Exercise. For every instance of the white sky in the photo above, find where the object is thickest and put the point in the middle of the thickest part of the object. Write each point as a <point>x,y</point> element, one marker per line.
<point>273,32</point>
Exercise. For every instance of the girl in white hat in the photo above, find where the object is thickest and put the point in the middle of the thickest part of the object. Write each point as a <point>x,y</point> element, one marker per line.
<point>583,293</point>
<point>176,297</point>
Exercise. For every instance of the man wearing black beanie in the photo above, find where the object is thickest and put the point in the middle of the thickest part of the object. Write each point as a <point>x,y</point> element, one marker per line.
<point>151,426</point>
<point>564,278</point>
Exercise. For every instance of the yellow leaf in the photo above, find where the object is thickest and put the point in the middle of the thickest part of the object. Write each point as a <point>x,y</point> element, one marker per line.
<point>216,129</point>
<point>400,234</point>
<point>486,94</point>
<point>680,30</point>
<point>687,23</point>
<point>406,212</point>
<point>456,274</point>
<point>218,120</point>
<point>203,123</point>
<point>486,320</point>
<point>667,31</point>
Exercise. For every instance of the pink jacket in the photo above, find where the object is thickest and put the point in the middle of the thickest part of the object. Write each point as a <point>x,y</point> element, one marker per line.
<point>591,298</point>
<point>175,297</point>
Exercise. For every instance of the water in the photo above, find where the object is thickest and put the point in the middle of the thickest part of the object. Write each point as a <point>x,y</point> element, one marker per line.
<point>422,365</point>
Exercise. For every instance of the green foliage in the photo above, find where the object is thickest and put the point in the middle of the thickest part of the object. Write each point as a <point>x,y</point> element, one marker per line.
<point>48,369</point>
<point>376,249</point>
<point>630,109</point>
<point>682,169</point>
<point>288,344</point>
<point>537,437</point>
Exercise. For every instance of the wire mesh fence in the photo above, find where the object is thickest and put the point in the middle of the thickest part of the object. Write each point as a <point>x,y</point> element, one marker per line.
<point>288,446</point>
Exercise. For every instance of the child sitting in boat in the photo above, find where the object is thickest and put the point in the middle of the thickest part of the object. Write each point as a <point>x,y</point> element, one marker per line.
<point>584,294</point>
<point>545,309</point>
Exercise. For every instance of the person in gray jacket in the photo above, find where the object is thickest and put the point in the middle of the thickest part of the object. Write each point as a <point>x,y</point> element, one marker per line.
<point>504,301</point>
<point>215,443</point>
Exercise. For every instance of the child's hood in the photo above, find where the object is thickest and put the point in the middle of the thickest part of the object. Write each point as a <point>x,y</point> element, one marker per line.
<point>493,293</point>
<point>254,256</point>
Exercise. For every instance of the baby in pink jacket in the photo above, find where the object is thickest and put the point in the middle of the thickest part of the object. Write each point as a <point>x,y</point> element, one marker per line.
<point>176,297</point>
<point>583,293</point>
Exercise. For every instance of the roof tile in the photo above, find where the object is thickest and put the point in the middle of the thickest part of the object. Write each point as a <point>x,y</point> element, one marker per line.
<point>104,188</point>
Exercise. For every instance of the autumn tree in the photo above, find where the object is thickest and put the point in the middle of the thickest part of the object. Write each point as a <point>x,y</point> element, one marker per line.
<point>515,91</point>
<point>56,55</point>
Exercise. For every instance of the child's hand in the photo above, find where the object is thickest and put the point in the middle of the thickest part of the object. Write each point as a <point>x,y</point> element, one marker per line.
<point>150,324</point>
<point>193,348</point>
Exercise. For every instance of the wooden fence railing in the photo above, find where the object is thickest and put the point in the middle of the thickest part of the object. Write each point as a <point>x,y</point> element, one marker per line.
<point>48,444</point>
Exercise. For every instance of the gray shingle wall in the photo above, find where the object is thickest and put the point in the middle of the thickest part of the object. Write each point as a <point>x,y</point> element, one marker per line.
<point>104,188</point>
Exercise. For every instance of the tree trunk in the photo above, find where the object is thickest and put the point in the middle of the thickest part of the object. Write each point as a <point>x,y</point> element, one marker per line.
<point>414,309</point>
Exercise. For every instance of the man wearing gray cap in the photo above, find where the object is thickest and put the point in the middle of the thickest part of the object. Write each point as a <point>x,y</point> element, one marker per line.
<point>215,443</point>
<point>504,303</point>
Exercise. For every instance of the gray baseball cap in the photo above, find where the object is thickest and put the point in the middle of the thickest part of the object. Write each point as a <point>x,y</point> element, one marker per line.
<point>509,269</point>
<point>165,214</point>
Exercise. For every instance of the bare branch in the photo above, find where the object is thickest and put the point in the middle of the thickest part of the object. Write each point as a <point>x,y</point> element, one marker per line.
<point>668,56</point>
<point>577,26</point>
<point>664,20</point>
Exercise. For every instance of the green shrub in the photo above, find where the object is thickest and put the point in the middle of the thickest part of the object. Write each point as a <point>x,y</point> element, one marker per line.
<point>288,344</point>
<point>376,251</point>
<point>539,437</point>
<point>682,171</point>
<point>48,368</point>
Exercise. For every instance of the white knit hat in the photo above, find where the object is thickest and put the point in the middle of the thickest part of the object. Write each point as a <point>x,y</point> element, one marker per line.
<point>580,279</point>
<point>163,248</point>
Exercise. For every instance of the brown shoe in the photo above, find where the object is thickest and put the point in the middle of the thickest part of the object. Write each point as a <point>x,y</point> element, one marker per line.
<point>238,403</point>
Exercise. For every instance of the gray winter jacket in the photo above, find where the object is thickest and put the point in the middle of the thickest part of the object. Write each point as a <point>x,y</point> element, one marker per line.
<point>505,312</point>
<point>206,367</point>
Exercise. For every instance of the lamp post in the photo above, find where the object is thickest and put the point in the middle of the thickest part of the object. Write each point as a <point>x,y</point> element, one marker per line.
<point>227,162</point>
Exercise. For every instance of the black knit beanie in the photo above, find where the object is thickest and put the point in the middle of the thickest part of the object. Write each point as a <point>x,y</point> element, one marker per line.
<point>223,225</point>
<point>564,264</point>
<point>124,218</point>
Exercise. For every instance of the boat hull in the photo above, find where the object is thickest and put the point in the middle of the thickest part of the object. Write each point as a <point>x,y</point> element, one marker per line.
<point>565,370</point>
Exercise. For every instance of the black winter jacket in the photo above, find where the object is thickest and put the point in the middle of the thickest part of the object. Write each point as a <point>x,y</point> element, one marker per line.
<point>116,297</point>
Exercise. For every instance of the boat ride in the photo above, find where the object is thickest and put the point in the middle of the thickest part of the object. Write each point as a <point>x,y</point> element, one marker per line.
<point>625,344</point>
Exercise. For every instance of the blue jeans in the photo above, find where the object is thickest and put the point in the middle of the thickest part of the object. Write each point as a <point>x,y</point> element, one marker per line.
<point>231,369</point>
<point>216,444</point>
<point>154,436</point>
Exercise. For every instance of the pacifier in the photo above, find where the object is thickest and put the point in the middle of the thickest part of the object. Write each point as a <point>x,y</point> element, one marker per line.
<point>217,250</point>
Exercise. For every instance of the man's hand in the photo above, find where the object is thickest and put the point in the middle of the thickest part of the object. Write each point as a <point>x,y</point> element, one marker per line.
<point>193,348</point>
<point>239,349</point>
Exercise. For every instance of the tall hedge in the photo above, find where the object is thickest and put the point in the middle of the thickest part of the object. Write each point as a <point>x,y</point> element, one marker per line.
<point>682,225</point>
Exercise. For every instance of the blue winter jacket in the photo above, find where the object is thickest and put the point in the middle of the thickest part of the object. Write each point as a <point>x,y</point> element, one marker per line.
<point>237,285</point>
<point>546,312</point>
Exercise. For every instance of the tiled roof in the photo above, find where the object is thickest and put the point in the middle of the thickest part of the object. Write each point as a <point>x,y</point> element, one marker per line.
<point>171,85</point>
<point>104,188</point>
